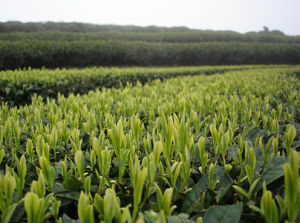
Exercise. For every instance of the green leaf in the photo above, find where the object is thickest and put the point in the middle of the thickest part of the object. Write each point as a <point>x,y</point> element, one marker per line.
<point>19,92</point>
<point>225,181</point>
<point>18,213</point>
<point>181,218</point>
<point>192,200</point>
<point>241,191</point>
<point>7,90</point>
<point>9,213</point>
<point>222,192</point>
<point>72,196</point>
<point>224,214</point>
<point>252,134</point>
<point>272,172</point>
<point>67,219</point>
<point>150,216</point>
<point>254,208</point>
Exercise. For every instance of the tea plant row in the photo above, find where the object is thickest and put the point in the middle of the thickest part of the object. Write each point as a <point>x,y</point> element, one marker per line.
<point>19,86</point>
<point>218,148</point>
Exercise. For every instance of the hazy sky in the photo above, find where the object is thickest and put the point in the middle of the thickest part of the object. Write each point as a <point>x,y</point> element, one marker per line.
<point>237,15</point>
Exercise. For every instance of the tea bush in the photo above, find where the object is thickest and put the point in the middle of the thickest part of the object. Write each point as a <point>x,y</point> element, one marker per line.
<point>217,148</point>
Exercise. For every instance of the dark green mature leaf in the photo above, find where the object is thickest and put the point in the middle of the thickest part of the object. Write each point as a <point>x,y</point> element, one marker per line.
<point>297,144</point>
<point>19,92</point>
<point>67,219</point>
<point>219,172</point>
<point>223,187</point>
<point>252,134</point>
<point>225,181</point>
<point>222,192</point>
<point>250,218</point>
<point>297,126</point>
<point>272,172</point>
<point>259,159</point>
<point>181,218</point>
<point>224,214</point>
<point>73,184</point>
<point>232,153</point>
<point>192,200</point>
<point>73,196</point>
<point>18,213</point>
<point>193,197</point>
<point>7,90</point>
<point>150,216</point>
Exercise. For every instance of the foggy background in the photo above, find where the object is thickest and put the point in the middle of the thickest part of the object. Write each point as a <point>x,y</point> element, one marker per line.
<point>236,15</point>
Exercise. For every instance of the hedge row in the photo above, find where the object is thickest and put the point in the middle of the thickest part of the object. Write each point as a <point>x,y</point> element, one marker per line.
<point>52,54</point>
<point>166,36</point>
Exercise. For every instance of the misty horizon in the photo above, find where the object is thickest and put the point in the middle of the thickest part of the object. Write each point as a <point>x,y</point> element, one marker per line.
<point>232,15</point>
<point>148,26</point>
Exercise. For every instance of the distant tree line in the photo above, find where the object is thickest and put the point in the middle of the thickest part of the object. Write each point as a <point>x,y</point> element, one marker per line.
<point>15,26</point>
<point>75,31</point>
<point>172,37</point>
<point>129,45</point>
